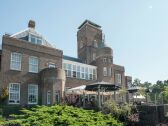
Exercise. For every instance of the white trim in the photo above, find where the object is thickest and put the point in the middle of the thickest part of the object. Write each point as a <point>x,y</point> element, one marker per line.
<point>16,92</point>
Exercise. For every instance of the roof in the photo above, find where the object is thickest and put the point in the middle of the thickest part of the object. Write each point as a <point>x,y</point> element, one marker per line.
<point>26,32</point>
<point>72,59</point>
<point>89,22</point>
<point>107,86</point>
<point>118,67</point>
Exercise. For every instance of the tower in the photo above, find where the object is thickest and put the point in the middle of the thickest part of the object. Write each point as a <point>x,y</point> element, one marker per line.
<point>89,36</point>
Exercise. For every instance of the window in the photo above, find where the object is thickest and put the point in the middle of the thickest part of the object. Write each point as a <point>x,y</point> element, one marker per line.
<point>14,93</point>
<point>69,67</point>
<point>118,78</point>
<point>110,60</point>
<point>15,61</point>
<point>33,64</point>
<point>83,73</point>
<point>74,71</point>
<point>32,94</point>
<point>35,40</point>
<point>51,65</point>
<point>94,74</point>
<point>94,56</point>
<point>39,41</point>
<point>78,72</point>
<point>86,73</point>
<point>105,71</point>
<point>109,71</point>
<point>90,74</point>
<point>48,98</point>
<point>104,60</point>
<point>95,43</point>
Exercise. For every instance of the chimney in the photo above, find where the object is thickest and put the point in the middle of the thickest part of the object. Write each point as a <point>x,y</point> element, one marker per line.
<point>31,24</point>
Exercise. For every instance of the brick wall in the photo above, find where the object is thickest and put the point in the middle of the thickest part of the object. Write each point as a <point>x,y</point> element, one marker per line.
<point>44,54</point>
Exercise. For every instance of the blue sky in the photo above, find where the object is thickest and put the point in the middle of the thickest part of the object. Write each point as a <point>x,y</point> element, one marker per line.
<point>137,30</point>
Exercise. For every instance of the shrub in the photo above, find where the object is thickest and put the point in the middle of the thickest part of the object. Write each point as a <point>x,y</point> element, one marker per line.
<point>2,120</point>
<point>61,116</point>
<point>122,112</point>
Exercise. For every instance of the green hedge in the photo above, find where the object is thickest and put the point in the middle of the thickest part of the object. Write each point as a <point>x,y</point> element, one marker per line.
<point>61,116</point>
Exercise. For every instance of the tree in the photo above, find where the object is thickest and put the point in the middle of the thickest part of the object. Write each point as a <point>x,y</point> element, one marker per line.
<point>146,85</point>
<point>137,82</point>
<point>4,94</point>
<point>165,95</point>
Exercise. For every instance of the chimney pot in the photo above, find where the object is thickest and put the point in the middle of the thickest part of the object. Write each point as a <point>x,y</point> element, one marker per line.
<point>31,24</point>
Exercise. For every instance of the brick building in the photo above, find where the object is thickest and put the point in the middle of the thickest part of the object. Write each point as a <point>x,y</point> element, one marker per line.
<point>34,72</point>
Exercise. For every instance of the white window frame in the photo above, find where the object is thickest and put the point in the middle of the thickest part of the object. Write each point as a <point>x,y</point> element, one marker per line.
<point>86,73</point>
<point>82,72</point>
<point>30,93</point>
<point>118,78</point>
<point>12,60</point>
<point>69,70</point>
<point>78,72</point>
<point>90,74</point>
<point>104,71</point>
<point>13,92</point>
<point>36,39</point>
<point>48,101</point>
<point>31,64</point>
<point>94,74</point>
<point>109,71</point>
<point>74,71</point>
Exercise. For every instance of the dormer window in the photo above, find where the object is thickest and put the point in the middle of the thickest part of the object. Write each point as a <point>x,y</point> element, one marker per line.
<point>35,40</point>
